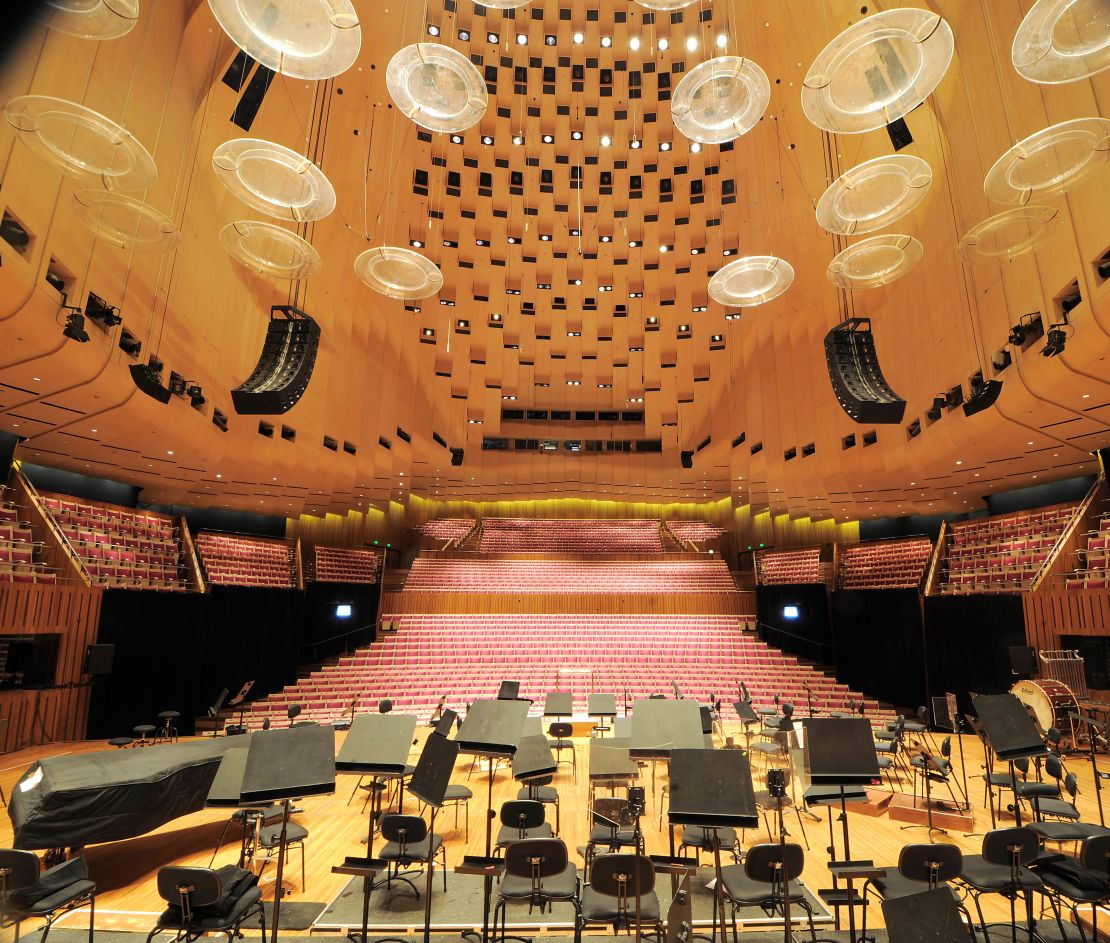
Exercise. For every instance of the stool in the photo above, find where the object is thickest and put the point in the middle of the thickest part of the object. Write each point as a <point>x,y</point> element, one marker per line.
<point>120,742</point>
<point>144,735</point>
<point>169,726</point>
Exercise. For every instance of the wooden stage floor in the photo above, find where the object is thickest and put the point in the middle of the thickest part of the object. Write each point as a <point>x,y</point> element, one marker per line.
<point>125,871</point>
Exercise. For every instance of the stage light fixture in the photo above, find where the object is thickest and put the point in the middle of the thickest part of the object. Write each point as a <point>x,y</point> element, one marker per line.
<point>1056,340</point>
<point>75,327</point>
<point>99,310</point>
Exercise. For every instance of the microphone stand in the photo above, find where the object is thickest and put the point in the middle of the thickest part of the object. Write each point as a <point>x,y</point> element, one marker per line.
<point>809,701</point>
<point>1093,736</point>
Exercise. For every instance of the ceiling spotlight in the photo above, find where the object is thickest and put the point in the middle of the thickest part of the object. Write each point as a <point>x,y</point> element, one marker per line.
<point>486,139</point>
<point>578,281</point>
<point>521,39</point>
<point>576,232</point>
<point>75,328</point>
<point>415,243</point>
<point>549,39</point>
<point>691,43</point>
<point>433,30</point>
<point>722,40</point>
<point>665,146</point>
<point>732,316</point>
<point>664,249</point>
<point>634,43</point>
<point>544,237</point>
<point>456,139</point>
<point>574,382</point>
<point>606,238</point>
<point>576,135</point>
<point>579,39</point>
<point>464,34</point>
<point>632,243</point>
<point>1056,340</point>
<point>635,144</point>
<point>695,148</point>
<point>664,43</point>
<point>548,139</point>
<point>606,140</point>
<point>493,37</point>
<point>518,139</point>
<point>606,41</point>
<point>508,396</point>
<point>512,240</point>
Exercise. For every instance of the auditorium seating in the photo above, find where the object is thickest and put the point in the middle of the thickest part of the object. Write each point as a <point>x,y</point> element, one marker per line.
<point>236,560</point>
<point>19,551</point>
<point>1002,554</point>
<point>789,566</point>
<point>464,657</point>
<point>504,534</point>
<point>447,528</point>
<point>694,531</point>
<point>1093,571</point>
<point>568,576</point>
<point>347,565</point>
<point>885,564</point>
<point>120,548</point>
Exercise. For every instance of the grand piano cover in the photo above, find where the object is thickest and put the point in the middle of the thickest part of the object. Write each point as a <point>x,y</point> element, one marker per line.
<point>72,801</point>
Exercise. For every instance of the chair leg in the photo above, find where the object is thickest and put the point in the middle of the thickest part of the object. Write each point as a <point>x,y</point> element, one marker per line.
<point>92,916</point>
<point>304,885</point>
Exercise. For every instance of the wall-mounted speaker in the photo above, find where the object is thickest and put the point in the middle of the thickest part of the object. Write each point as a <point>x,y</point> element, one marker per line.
<point>284,367</point>
<point>149,381</point>
<point>457,456</point>
<point>983,397</point>
<point>99,659</point>
<point>859,384</point>
<point>687,458</point>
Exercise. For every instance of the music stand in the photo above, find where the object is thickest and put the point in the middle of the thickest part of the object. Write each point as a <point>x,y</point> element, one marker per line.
<point>283,764</point>
<point>660,727</point>
<point>224,794</point>
<point>240,701</point>
<point>711,789</point>
<point>601,706</point>
<point>1011,733</point>
<point>1094,734</point>
<point>946,716</point>
<point>747,716</point>
<point>558,704</point>
<point>509,691</point>
<point>214,712</point>
<point>928,917</point>
<point>491,729</point>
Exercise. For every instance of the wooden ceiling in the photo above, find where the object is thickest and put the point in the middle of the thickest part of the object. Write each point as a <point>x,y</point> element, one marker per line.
<point>546,303</point>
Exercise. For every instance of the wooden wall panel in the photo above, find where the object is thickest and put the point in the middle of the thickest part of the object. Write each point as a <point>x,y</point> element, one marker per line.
<point>1052,613</point>
<point>739,604</point>
<point>61,712</point>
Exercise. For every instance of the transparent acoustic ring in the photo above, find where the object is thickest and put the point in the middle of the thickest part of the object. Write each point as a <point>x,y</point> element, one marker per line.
<point>437,87</point>
<point>399,273</point>
<point>877,70</point>
<point>125,221</point>
<point>1050,162</point>
<point>1063,41</point>
<point>274,180</point>
<point>505,4</point>
<point>90,19</point>
<point>750,281</point>
<point>270,250</point>
<point>81,142</point>
<point>304,39</point>
<point>665,5</point>
<point>874,262</point>
<point>720,99</point>
<point>1008,234</point>
<point>874,194</point>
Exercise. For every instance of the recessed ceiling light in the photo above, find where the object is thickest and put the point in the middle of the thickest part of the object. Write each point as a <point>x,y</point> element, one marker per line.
<point>169,451</point>
<point>664,43</point>
<point>433,30</point>
<point>691,43</point>
<point>576,135</point>
<point>606,140</point>
<point>493,37</point>
<point>606,41</point>
<point>722,40</point>
<point>663,249</point>
<point>665,146</point>
<point>635,144</point>
<point>579,39</point>
<point>521,39</point>
<point>548,139</point>
<point>634,43</point>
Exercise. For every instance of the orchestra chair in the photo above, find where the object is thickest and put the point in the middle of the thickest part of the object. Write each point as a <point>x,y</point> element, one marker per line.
<point>269,839</point>
<point>167,732</point>
<point>27,892</point>
<point>541,790</point>
<point>407,843</point>
<point>199,902</point>
<point>922,868</point>
<point>1082,880</point>
<point>144,735</point>
<point>611,895</point>
<point>522,818</point>
<point>538,870</point>
<point>560,734</point>
<point>940,768</point>
<point>763,880</point>
<point>606,833</point>
<point>456,796</point>
<point>702,838</point>
<point>766,804</point>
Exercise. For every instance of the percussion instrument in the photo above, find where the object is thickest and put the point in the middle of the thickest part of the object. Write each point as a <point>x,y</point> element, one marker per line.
<point>1049,701</point>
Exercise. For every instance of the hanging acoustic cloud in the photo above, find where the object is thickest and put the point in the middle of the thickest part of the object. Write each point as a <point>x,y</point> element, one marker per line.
<point>90,19</point>
<point>877,71</point>
<point>399,273</point>
<point>302,40</point>
<point>1063,41</point>
<point>751,281</point>
<point>270,250</point>
<point>874,194</point>
<point>1008,234</point>
<point>274,180</point>
<point>505,4</point>
<point>81,142</point>
<point>874,262</point>
<point>665,4</point>
<point>125,221</point>
<point>437,87</point>
<point>1050,162</point>
<point>720,99</point>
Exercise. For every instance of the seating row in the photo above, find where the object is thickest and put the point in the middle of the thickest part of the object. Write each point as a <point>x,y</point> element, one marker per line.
<point>896,564</point>
<point>347,565</point>
<point>238,560</point>
<point>503,534</point>
<point>447,528</point>
<point>789,566</point>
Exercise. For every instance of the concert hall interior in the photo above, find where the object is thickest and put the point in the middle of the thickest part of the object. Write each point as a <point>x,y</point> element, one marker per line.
<point>539,469</point>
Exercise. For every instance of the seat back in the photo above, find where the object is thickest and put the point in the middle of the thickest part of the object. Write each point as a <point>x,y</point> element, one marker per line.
<point>560,730</point>
<point>617,875</point>
<point>1071,784</point>
<point>405,830</point>
<point>930,863</point>
<point>536,859</point>
<point>189,888</point>
<point>612,812</point>
<point>522,814</point>
<point>1054,768</point>
<point>1010,847</point>
<point>1096,854</point>
<point>773,863</point>
<point>18,869</point>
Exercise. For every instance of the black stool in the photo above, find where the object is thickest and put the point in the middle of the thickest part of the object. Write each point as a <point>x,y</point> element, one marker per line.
<point>144,735</point>
<point>169,726</point>
<point>120,743</point>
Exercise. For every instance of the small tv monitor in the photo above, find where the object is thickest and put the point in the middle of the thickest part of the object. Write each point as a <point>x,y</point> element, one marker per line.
<point>343,610</point>
<point>790,612</point>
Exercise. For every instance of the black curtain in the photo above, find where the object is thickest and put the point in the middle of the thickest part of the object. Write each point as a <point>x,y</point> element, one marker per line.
<point>795,618</point>
<point>176,651</point>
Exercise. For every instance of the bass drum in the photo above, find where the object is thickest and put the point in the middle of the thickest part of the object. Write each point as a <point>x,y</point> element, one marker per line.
<point>1049,701</point>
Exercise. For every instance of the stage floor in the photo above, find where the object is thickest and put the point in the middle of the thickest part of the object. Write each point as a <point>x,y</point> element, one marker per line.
<point>125,871</point>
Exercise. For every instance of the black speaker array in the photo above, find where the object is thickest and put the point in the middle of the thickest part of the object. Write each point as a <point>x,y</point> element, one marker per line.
<point>858,382</point>
<point>149,379</point>
<point>457,456</point>
<point>687,458</point>
<point>284,366</point>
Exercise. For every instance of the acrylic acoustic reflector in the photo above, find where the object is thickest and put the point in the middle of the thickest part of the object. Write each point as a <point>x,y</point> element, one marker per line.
<point>750,281</point>
<point>81,142</point>
<point>437,87</point>
<point>304,39</point>
<point>399,273</point>
<point>1050,162</point>
<point>1008,234</point>
<point>269,249</point>
<point>90,19</point>
<point>1063,41</point>
<point>873,262</point>
<point>874,194</point>
<point>125,221</point>
<point>877,70</point>
<point>665,5</point>
<point>720,99</point>
<point>274,180</point>
<point>505,4</point>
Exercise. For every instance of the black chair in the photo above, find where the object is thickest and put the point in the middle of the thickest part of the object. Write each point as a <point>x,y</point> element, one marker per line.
<point>25,893</point>
<point>1002,869</point>
<point>560,734</point>
<point>1085,880</point>
<point>269,839</point>
<point>767,879</point>
<point>537,870</point>
<point>541,790</point>
<point>522,818</point>
<point>202,901</point>
<point>144,734</point>
<point>617,883</point>
<point>1051,802</point>
<point>408,843</point>
<point>167,732</point>
<point>768,805</point>
<point>612,828</point>
<point>457,795</point>
<point>938,768</point>
<point>922,868</point>
<point>702,839</point>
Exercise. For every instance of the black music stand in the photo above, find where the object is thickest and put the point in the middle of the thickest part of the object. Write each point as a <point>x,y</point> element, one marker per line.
<point>240,701</point>
<point>214,712</point>
<point>492,729</point>
<point>558,704</point>
<point>946,716</point>
<point>601,706</point>
<point>711,789</point>
<point>1012,735</point>
<point>1096,731</point>
<point>748,717</point>
<point>509,691</point>
<point>283,764</point>
<point>840,753</point>
<point>660,727</point>
<point>224,794</point>
<point>928,917</point>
